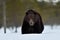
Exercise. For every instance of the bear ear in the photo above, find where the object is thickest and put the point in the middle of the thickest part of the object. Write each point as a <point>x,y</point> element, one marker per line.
<point>29,11</point>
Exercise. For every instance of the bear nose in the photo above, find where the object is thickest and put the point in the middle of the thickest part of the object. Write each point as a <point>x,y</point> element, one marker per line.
<point>31,22</point>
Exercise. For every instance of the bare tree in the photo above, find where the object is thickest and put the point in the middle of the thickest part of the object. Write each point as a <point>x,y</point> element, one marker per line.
<point>15,22</point>
<point>4,16</point>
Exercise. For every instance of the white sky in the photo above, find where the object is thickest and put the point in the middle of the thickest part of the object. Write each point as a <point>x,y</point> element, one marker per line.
<point>52,0</point>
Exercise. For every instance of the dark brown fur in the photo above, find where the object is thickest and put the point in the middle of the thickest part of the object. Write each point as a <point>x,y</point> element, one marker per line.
<point>38,26</point>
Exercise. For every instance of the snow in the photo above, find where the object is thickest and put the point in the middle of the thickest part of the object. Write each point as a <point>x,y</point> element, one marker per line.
<point>48,34</point>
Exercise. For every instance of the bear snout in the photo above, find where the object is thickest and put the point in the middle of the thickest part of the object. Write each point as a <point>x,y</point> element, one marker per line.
<point>31,22</point>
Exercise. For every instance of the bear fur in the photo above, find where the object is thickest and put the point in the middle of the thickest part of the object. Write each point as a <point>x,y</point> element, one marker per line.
<point>32,23</point>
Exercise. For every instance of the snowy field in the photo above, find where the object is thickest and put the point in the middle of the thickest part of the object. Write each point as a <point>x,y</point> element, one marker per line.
<point>48,34</point>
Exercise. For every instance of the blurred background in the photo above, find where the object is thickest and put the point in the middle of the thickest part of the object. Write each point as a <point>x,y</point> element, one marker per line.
<point>12,12</point>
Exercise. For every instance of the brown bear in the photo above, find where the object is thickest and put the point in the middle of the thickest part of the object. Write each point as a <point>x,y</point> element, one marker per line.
<point>32,23</point>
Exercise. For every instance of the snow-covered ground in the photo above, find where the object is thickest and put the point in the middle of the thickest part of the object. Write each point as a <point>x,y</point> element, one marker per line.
<point>48,34</point>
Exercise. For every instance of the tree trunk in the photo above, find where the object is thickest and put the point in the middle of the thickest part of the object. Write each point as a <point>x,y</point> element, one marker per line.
<point>4,16</point>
